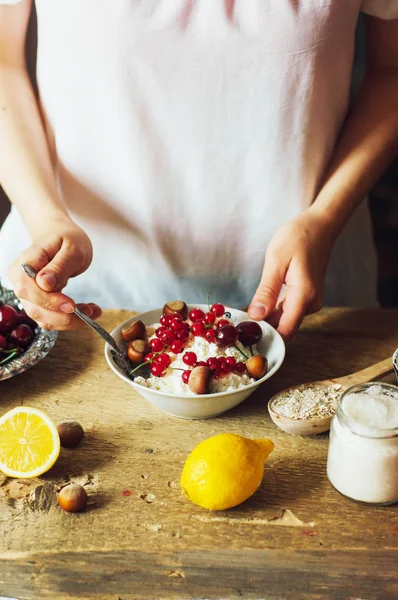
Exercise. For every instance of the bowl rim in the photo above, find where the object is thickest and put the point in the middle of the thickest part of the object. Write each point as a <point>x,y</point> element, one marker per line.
<point>193,396</point>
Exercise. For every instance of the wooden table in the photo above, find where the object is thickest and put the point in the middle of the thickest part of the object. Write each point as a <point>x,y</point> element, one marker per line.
<point>139,538</point>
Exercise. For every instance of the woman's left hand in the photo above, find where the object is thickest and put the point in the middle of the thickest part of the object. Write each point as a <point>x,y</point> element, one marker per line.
<point>297,258</point>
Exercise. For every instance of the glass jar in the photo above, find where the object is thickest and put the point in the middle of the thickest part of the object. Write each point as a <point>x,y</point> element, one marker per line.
<point>363,446</point>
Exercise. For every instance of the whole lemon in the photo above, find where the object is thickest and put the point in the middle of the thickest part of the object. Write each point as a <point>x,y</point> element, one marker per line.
<point>224,470</point>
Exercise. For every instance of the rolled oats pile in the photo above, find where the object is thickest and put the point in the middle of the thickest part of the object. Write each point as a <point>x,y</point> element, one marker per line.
<point>309,401</point>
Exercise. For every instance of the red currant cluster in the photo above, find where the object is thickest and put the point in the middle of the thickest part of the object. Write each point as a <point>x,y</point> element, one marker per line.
<point>222,365</point>
<point>16,332</point>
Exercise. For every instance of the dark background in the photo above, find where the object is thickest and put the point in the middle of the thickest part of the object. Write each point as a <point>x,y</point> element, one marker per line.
<point>383,199</point>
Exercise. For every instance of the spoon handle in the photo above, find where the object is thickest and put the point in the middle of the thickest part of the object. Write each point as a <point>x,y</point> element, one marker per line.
<point>372,373</point>
<point>97,328</point>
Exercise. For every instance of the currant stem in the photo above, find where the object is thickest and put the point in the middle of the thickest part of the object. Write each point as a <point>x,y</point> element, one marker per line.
<point>242,353</point>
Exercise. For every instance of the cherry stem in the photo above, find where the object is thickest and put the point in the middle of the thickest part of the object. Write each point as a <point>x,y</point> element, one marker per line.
<point>242,353</point>
<point>147,362</point>
<point>9,357</point>
<point>251,349</point>
<point>208,300</point>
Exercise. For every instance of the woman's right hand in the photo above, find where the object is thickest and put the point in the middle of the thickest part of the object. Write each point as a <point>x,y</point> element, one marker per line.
<point>64,250</point>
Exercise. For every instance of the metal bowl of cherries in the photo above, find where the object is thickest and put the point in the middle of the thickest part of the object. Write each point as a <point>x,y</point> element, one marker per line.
<point>22,343</point>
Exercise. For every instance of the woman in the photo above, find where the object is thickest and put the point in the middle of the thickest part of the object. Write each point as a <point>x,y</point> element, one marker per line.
<point>183,141</point>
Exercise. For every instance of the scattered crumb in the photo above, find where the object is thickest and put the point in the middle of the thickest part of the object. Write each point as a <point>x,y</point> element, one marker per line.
<point>149,498</point>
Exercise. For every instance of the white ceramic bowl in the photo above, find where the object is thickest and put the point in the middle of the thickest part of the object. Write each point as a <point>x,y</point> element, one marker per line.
<point>192,406</point>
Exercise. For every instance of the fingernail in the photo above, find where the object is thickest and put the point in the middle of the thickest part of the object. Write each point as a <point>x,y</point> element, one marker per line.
<point>68,308</point>
<point>50,280</point>
<point>257,311</point>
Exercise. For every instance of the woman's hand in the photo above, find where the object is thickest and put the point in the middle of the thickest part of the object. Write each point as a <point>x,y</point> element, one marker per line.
<point>63,250</point>
<point>296,257</point>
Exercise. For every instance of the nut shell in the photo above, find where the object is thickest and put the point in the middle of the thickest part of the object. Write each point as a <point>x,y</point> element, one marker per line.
<point>176,306</point>
<point>70,434</point>
<point>199,380</point>
<point>257,366</point>
<point>135,330</point>
<point>72,498</point>
<point>136,351</point>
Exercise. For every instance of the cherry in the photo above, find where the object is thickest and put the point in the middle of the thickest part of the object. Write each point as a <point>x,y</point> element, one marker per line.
<point>209,318</point>
<point>226,336</point>
<point>222,322</point>
<point>217,309</point>
<point>167,337</point>
<point>240,368</point>
<point>22,336</point>
<point>157,369</point>
<point>185,376</point>
<point>189,358</point>
<point>8,318</point>
<point>182,335</point>
<point>23,319</point>
<point>249,332</point>
<point>176,347</point>
<point>231,361</point>
<point>164,359</point>
<point>210,336</point>
<point>198,328</point>
<point>165,320</point>
<point>156,345</point>
<point>3,343</point>
<point>196,314</point>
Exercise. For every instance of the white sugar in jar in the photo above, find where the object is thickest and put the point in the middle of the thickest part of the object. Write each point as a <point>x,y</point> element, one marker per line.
<point>363,447</point>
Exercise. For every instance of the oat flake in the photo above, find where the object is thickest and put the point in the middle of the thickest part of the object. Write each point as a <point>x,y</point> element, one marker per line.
<point>307,401</point>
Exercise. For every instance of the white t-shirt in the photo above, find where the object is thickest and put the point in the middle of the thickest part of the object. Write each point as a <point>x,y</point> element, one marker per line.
<point>186,132</point>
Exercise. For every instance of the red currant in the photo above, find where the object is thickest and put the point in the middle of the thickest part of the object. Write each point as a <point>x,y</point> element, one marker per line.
<point>231,361</point>
<point>157,369</point>
<point>209,318</point>
<point>167,337</point>
<point>210,336</point>
<point>217,309</point>
<point>221,360</point>
<point>177,324</point>
<point>240,368</point>
<point>149,357</point>
<point>225,368</point>
<point>165,320</point>
<point>196,314</point>
<point>160,330</point>
<point>222,322</point>
<point>157,345</point>
<point>164,359</point>
<point>176,347</point>
<point>185,376</point>
<point>212,363</point>
<point>182,335</point>
<point>189,358</point>
<point>201,363</point>
<point>198,328</point>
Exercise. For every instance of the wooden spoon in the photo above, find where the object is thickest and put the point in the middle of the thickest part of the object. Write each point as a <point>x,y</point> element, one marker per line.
<point>320,424</point>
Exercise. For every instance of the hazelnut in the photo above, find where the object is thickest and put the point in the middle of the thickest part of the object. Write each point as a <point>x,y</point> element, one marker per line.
<point>257,366</point>
<point>70,433</point>
<point>176,306</point>
<point>135,330</point>
<point>136,351</point>
<point>199,380</point>
<point>72,498</point>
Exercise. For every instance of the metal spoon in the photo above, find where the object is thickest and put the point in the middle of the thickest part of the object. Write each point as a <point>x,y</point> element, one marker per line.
<point>119,355</point>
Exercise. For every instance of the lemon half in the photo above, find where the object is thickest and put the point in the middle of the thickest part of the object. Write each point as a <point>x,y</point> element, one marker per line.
<point>29,443</point>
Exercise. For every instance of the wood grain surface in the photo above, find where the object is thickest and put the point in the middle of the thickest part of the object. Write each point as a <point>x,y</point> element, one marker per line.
<point>139,538</point>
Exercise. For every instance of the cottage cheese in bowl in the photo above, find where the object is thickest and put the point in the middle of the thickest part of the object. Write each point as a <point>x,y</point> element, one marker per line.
<point>171,394</point>
<point>173,382</point>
